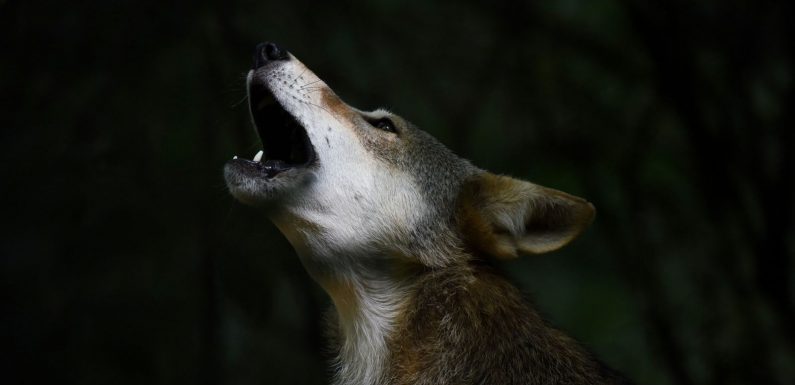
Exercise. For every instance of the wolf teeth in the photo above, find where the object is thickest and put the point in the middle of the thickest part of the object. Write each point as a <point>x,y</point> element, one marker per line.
<point>258,156</point>
<point>234,157</point>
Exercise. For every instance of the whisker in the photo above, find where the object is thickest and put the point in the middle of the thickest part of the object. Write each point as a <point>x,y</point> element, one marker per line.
<point>309,84</point>
<point>327,111</point>
<point>240,102</point>
<point>295,80</point>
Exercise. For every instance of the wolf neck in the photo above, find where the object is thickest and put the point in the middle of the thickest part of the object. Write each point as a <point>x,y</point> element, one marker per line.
<point>368,292</point>
<point>368,306</point>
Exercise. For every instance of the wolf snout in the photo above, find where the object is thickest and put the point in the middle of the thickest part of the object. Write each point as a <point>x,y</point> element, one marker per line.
<point>267,52</point>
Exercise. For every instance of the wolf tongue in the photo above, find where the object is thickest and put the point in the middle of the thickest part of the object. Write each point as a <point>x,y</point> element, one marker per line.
<point>275,166</point>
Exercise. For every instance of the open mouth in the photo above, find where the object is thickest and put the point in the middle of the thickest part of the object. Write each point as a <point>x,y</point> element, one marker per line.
<point>285,143</point>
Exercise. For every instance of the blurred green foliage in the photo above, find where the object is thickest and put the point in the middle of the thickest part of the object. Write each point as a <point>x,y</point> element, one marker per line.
<point>125,261</point>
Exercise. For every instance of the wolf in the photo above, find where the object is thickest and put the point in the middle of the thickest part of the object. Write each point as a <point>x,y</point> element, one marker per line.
<point>402,235</point>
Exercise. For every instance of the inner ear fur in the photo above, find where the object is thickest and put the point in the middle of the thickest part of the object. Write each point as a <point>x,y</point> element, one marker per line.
<point>504,217</point>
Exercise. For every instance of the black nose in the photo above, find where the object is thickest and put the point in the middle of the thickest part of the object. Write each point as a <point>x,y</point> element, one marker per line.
<point>268,52</point>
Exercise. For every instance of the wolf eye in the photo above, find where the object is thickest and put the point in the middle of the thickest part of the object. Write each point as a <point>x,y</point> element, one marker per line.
<point>384,124</point>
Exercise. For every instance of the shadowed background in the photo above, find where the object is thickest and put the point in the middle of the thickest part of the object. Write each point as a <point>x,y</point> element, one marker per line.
<point>125,261</point>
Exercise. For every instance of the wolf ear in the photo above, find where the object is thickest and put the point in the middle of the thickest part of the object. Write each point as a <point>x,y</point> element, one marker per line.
<point>504,217</point>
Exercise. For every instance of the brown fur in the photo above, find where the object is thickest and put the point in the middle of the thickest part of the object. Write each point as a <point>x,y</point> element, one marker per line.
<point>467,325</point>
<point>334,104</point>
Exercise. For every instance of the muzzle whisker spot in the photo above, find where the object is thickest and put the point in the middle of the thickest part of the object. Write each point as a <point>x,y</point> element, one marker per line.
<point>295,80</point>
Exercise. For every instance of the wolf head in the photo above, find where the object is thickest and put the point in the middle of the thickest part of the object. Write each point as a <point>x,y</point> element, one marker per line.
<point>350,187</point>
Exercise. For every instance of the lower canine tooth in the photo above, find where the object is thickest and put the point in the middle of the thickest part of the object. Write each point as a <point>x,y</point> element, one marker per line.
<point>258,156</point>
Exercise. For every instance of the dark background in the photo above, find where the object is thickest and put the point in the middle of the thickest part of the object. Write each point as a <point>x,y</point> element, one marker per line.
<point>125,261</point>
